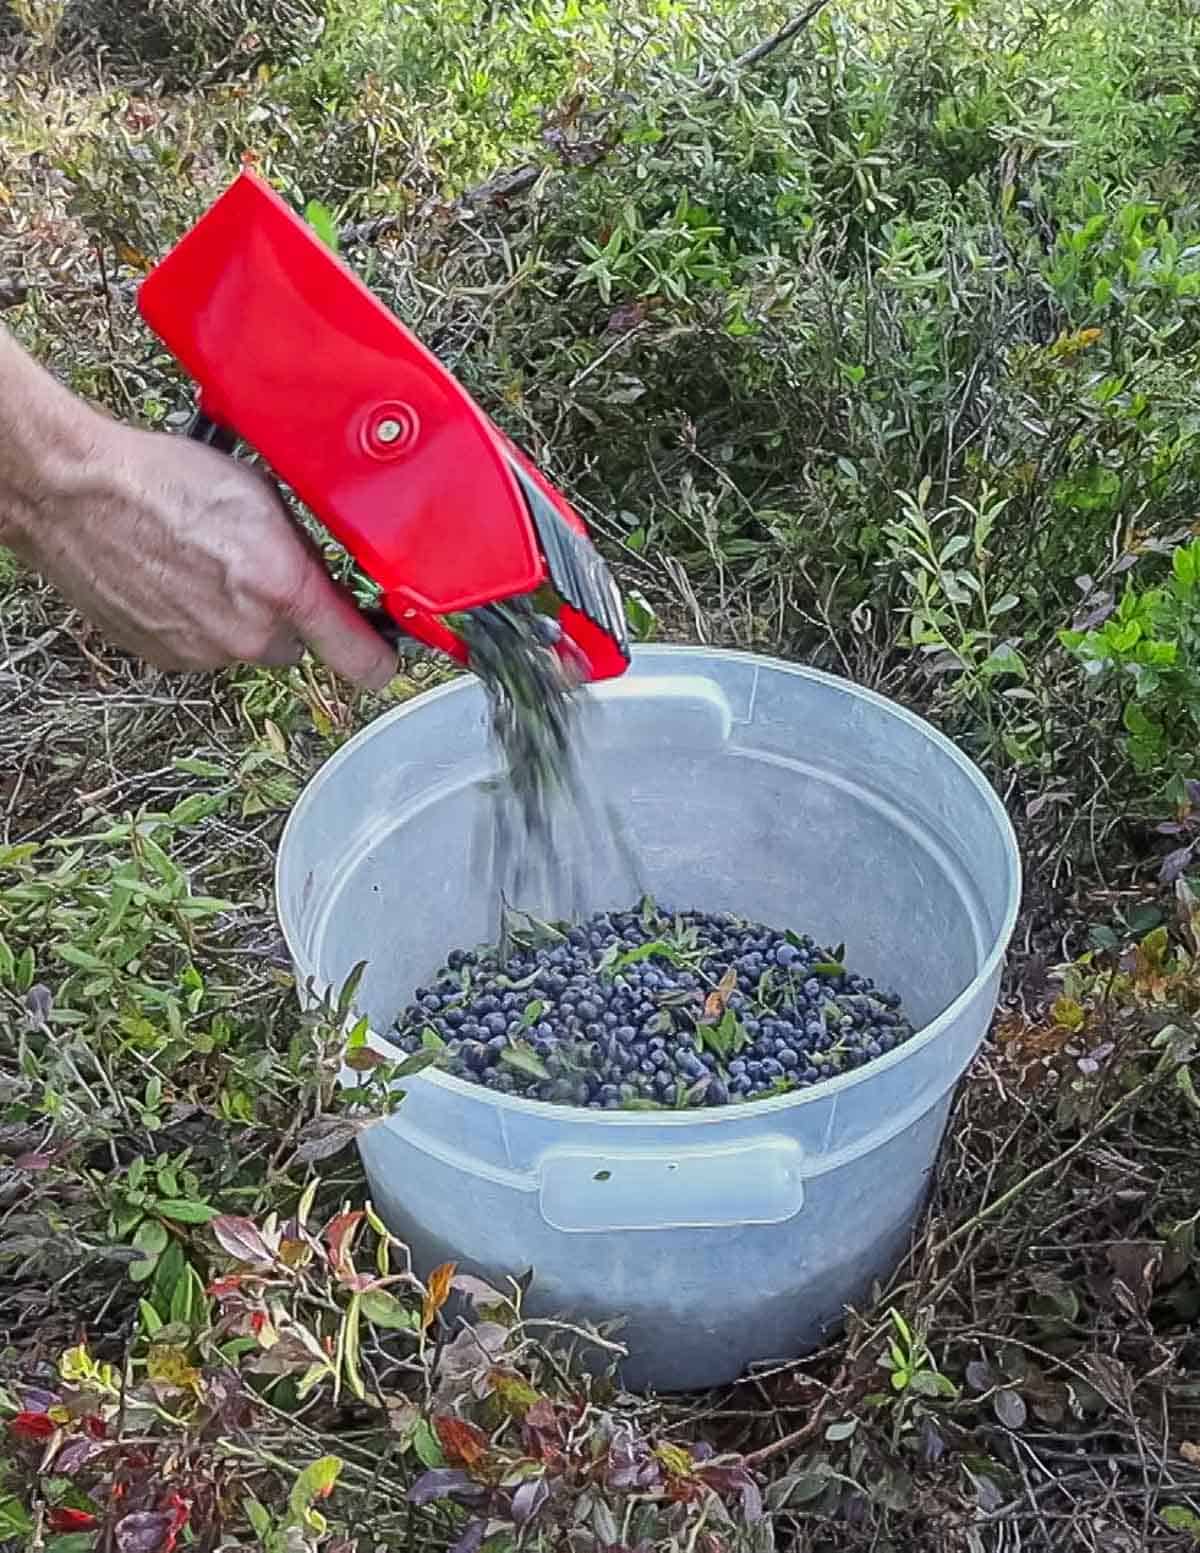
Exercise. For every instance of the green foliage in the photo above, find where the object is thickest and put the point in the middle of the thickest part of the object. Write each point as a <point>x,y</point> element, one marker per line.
<point>322,221</point>
<point>877,353</point>
<point>1148,653</point>
<point>189,41</point>
<point>931,251</point>
<point>1179,1518</point>
<point>910,1365</point>
<point>953,615</point>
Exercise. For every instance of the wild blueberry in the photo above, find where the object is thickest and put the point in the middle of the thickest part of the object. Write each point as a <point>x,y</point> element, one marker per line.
<point>610,1028</point>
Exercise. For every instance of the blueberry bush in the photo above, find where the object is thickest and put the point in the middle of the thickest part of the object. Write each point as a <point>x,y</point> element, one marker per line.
<point>862,331</point>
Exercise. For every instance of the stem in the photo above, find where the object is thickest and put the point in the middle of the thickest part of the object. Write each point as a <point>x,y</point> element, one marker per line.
<point>1055,1165</point>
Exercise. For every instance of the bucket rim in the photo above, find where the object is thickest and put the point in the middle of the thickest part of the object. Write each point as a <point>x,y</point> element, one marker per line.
<point>465,683</point>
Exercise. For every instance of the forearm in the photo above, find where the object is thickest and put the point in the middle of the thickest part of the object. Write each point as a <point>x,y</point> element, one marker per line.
<point>48,439</point>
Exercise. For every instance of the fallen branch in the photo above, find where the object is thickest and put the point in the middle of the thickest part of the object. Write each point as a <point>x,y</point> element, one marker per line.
<point>767,46</point>
<point>502,186</point>
<point>798,1437</point>
<point>1167,1069</point>
<point>39,644</point>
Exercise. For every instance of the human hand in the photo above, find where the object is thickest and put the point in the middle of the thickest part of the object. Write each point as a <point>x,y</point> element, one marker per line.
<point>176,552</point>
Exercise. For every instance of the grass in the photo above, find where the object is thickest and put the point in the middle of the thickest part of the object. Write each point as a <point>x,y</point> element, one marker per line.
<point>878,351</point>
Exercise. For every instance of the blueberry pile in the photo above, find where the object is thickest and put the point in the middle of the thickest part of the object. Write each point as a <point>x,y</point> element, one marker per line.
<point>648,1009</point>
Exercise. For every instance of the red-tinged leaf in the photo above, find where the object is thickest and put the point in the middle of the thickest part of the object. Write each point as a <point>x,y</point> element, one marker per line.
<point>181,1514</point>
<point>316,1482</point>
<point>264,1329</point>
<point>446,1483</point>
<point>717,1000</point>
<point>33,1162</point>
<point>32,1426</point>
<point>221,1288</point>
<point>363,1059</point>
<point>65,1520</point>
<point>461,1442</point>
<point>242,1240</point>
<point>437,1291</point>
<point>339,1237</point>
<point>145,1531</point>
<point>724,1480</point>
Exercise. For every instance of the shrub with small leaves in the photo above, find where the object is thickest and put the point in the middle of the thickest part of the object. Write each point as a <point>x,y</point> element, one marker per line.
<point>1147,655</point>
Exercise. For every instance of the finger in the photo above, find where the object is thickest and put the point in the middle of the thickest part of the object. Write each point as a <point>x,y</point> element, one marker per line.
<point>284,651</point>
<point>326,617</point>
